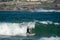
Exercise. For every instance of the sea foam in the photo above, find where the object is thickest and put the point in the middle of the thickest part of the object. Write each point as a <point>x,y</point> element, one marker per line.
<point>44,10</point>
<point>50,38</point>
<point>49,22</point>
<point>15,28</point>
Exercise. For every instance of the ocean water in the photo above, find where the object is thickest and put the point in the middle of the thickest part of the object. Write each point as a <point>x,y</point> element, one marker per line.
<point>45,25</point>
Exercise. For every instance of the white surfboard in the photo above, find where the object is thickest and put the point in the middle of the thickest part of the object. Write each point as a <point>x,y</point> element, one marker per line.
<point>27,34</point>
<point>23,34</point>
<point>32,34</point>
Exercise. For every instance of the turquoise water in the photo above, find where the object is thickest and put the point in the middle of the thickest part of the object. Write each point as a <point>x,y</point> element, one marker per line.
<point>41,30</point>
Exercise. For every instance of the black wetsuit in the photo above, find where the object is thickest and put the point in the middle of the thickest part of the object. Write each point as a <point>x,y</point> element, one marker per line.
<point>28,30</point>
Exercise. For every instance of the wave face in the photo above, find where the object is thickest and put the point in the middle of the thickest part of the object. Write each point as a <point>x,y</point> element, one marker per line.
<point>46,28</point>
<point>15,28</point>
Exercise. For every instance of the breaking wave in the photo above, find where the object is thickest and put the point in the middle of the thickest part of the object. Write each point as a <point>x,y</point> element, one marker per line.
<point>44,10</point>
<point>15,28</point>
<point>48,22</point>
<point>19,28</point>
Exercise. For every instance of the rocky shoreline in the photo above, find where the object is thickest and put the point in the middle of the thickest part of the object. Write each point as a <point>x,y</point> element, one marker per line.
<point>27,6</point>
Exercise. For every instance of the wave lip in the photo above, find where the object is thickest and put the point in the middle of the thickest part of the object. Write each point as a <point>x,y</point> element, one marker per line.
<point>49,22</point>
<point>57,23</point>
<point>46,22</point>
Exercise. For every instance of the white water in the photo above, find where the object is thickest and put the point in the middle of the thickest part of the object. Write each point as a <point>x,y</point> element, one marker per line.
<point>49,22</point>
<point>50,38</point>
<point>15,28</point>
<point>44,10</point>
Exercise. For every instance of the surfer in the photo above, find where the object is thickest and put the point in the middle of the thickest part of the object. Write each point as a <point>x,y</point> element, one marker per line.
<point>29,33</point>
<point>28,30</point>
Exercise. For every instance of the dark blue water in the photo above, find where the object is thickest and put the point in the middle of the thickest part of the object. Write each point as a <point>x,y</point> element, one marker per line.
<point>19,16</point>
